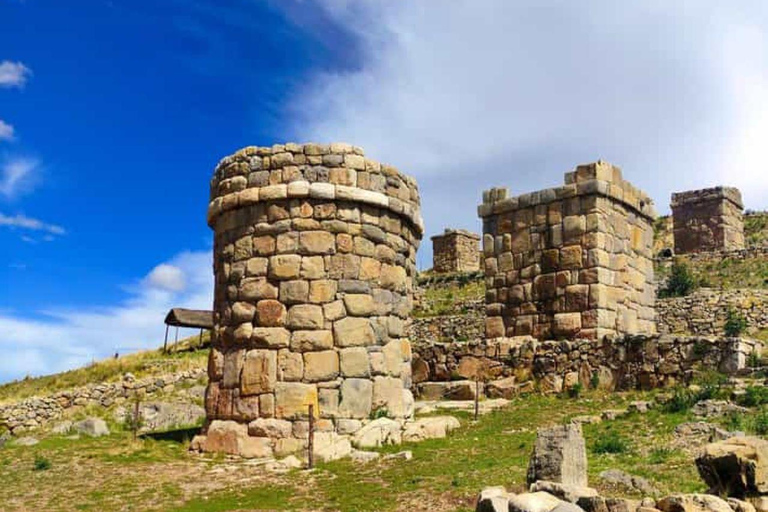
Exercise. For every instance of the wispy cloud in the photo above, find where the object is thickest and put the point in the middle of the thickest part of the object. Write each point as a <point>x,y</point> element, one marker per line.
<point>17,176</point>
<point>62,338</point>
<point>6,131</point>
<point>13,74</point>
<point>21,221</point>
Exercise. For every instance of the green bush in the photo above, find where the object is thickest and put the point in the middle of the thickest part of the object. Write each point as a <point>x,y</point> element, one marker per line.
<point>575,390</point>
<point>41,463</point>
<point>753,396</point>
<point>735,323</point>
<point>680,283</point>
<point>610,443</point>
<point>594,380</point>
<point>760,424</point>
<point>680,401</point>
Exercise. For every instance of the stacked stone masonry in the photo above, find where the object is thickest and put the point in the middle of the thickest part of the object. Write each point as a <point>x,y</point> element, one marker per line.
<point>708,220</point>
<point>314,257</point>
<point>619,363</point>
<point>570,262</point>
<point>456,250</point>
<point>705,311</point>
<point>36,412</point>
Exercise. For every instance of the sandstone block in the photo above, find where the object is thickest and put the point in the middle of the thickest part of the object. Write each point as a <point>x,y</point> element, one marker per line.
<point>292,400</point>
<point>358,304</point>
<point>270,337</point>
<point>312,267</point>
<point>270,427</point>
<point>354,362</point>
<point>350,332</point>
<point>322,291</point>
<point>284,266</point>
<point>270,313</point>
<point>255,289</point>
<point>559,455</point>
<point>356,398</point>
<point>290,366</point>
<point>294,292</point>
<point>259,372</point>
<point>305,316</point>
<point>317,242</point>
<point>310,341</point>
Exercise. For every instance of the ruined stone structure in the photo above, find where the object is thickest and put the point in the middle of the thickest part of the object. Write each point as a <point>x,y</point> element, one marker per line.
<point>456,250</point>
<point>708,220</point>
<point>570,262</point>
<point>314,255</point>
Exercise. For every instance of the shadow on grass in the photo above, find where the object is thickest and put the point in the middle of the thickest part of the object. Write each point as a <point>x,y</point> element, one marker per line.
<point>180,435</point>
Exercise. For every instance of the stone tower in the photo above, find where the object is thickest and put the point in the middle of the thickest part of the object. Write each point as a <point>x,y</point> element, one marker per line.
<point>708,220</point>
<point>570,262</point>
<point>314,255</point>
<point>456,250</point>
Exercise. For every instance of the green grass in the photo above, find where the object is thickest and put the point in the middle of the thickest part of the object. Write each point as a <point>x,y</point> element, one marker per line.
<point>447,298</point>
<point>141,364</point>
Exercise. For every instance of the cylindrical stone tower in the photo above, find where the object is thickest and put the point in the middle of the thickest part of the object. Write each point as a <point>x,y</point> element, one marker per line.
<point>314,255</point>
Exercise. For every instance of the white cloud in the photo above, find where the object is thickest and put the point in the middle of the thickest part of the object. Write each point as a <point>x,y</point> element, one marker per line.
<point>499,93</point>
<point>167,277</point>
<point>23,222</point>
<point>18,176</point>
<point>13,74</point>
<point>60,339</point>
<point>6,131</point>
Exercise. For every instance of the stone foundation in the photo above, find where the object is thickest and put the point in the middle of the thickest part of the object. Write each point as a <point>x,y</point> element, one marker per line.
<point>456,250</point>
<point>314,256</point>
<point>708,220</point>
<point>622,363</point>
<point>570,262</point>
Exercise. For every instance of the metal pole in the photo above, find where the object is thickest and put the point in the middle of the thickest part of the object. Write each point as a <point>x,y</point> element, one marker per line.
<point>311,443</point>
<point>165,343</point>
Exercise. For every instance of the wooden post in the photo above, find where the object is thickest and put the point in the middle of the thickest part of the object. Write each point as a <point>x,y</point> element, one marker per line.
<point>311,441</point>
<point>477,396</point>
<point>165,343</point>
<point>176,341</point>
<point>136,420</point>
<point>201,339</point>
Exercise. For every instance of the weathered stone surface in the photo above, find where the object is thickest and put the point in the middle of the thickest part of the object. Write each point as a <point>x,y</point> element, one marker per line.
<point>630,482</point>
<point>331,446</point>
<point>559,455</point>
<point>435,427</point>
<point>305,316</point>
<point>259,372</point>
<point>379,432</point>
<point>493,499</point>
<point>270,427</point>
<point>350,332</point>
<point>356,398</point>
<point>292,400</point>
<point>93,427</point>
<point>533,502</point>
<point>736,467</point>
<point>321,366</point>
<point>569,493</point>
<point>692,503</point>
<point>354,362</point>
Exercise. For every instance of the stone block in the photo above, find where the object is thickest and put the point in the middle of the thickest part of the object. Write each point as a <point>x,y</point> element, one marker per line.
<point>356,396</point>
<point>358,304</point>
<point>310,341</point>
<point>292,400</point>
<point>259,372</point>
<point>350,332</point>
<point>321,366</point>
<point>270,337</point>
<point>284,266</point>
<point>290,366</point>
<point>305,316</point>
<point>294,292</point>
<point>317,242</point>
<point>270,313</point>
<point>354,362</point>
<point>559,455</point>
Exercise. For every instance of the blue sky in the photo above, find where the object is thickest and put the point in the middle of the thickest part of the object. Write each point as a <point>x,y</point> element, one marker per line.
<point>113,115</point>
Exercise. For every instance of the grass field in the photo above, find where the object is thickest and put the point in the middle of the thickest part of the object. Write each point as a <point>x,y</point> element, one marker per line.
<point>117,473</point>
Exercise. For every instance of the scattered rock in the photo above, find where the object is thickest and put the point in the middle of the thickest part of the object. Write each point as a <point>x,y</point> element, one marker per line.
<point>94,427</point>
<point>567,507</point>
<point>586,420</point>
<point>364,457</point>
<point>600,504</point>
<point>569,493</point>
<point>62,428</point>
<point>735,467</point>
<point>630,482</point>
<point>559,455</point>
<point>502,388</point>
<point>484,406</point>
<point>612,414</point>
<point>739,505</point>
<point>429,428</point>
<point>404,455</point>
<point>331,446</point>
<point>493,499</point>
<point>284,465</point>
<point>639,406</point>
<point>709,408</point>
<point>692,503</point>
<point>158,416</point>
<point>26,441</point>
<point>533,502</point>
<point>379,432</point>
<point>452,390</point>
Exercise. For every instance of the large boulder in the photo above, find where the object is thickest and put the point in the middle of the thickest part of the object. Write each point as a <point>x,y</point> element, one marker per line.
<point>502,388</point>
<point>629,482</point>
<point>533,502</point>
<point>454,390</point>
<point>566,492</point>
<point>692,503</point>
<point>736,467</point>
<point>559,455</point>
<point>429,428</point>
<point>94,427</point>
<point>379,432</point>
<point>493,499</point>
<point>601,504</point>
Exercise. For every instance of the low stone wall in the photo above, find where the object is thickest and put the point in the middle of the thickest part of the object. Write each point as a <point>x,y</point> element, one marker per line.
<point>757,251</point>
<point>467,324</point>
<point>705,311</point>
<point>36,412</point>
<point>627,362</point>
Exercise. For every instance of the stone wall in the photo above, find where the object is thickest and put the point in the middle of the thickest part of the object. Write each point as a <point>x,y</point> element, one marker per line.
<point>314,256</point>
<point>704,312</point>
<point>465,326</point>
<point>37,412</point>
<point>736,254</point>
<point>708,220</point>
<point>456,250</point>
<point>570,262</point>
<point>625,362</point>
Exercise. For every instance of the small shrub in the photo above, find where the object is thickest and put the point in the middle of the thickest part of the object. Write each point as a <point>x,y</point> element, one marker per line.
<point>680,283</point>
<point>753,359</point>
<point>701,349</point>
<point>760,424</point>
<point>735,421</point>
<point>381,412</point>
<point>41,463</point>
<point>610,443</point>
<point>753,396</point>
<point>735,323</point>
<point>594,380</point>
<point>575,390</point>
<point>680,401</point>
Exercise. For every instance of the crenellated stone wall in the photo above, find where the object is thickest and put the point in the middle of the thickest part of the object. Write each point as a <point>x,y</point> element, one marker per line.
<point>314,256</point>
<point>570,262</point>
<point>708,220</point>
<point>456,250</point>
